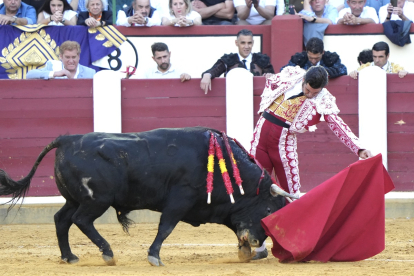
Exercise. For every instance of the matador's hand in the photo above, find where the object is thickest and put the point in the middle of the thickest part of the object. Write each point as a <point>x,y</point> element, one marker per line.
<point>364,154</point>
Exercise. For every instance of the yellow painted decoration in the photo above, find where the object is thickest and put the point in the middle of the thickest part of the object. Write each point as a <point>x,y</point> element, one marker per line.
<point>16,42</point>
<point>48,39</point>
<point>5,52</point>
<point>100,37</point>
<point>42,33</point>
<point>6,66</point>
<point>108,44</point>
<point>22,37</point>
<point>222,164</point>
<point>210,165</point>
<point>232,158</point>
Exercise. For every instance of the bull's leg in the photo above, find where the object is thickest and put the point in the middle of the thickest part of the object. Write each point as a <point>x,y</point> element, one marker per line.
<point>84,218</point>
<point>63,221</point>
<point>172,213</point>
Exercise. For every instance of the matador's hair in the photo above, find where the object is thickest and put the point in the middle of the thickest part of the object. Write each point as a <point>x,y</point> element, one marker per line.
<point>316,77</point>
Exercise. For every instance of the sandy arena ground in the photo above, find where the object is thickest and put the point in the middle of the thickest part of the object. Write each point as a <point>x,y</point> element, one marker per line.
<point>206,250</point>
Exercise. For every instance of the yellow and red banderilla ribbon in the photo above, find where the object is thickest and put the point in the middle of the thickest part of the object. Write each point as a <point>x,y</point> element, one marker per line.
<point>215,149</point>
<point>210,168</point>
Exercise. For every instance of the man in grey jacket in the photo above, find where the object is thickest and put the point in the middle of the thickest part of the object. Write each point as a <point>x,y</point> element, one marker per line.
<point>67,68</point>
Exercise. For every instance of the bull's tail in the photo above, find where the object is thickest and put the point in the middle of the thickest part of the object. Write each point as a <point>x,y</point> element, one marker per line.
<point>19,189</point>
<point>121,214</point>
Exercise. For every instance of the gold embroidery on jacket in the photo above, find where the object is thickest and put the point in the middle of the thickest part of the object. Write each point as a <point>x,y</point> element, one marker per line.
<point>287,109</point>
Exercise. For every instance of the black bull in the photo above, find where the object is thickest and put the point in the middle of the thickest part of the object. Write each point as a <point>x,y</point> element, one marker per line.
<point>162,170</point>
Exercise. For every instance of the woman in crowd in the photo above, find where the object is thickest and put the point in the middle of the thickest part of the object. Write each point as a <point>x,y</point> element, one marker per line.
<point>56,12</point>
<point>95,16</point>
<point>181,14</point>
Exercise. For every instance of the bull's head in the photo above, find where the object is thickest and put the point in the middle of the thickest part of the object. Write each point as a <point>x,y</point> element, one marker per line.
<point>249,230</point>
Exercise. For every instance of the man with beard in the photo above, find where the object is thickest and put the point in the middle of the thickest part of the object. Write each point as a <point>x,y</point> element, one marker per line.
<point>294,101</point>
<point>67,68</point>
<point>357,14</point>
<point>164,68</point>
<point>139,14</point>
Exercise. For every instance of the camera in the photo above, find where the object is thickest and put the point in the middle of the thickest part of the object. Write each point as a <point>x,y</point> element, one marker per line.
<point>291,9</point>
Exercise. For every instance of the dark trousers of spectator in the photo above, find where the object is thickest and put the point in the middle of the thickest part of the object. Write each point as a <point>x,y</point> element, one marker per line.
<point>216,22</point>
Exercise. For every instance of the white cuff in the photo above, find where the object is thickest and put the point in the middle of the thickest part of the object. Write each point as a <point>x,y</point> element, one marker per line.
<point>51,73</point>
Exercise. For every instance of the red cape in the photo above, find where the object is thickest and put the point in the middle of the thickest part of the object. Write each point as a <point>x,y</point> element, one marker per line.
<point>342,219</point>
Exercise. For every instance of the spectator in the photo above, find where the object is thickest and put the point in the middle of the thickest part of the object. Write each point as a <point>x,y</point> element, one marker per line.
<point>404,11</point>
<point>67,68</point>
<point>14,12</point>
<point>81,5</point>
<point>365,56</point>
<point>258,64</point>
<point>215,12</point>
<point>357,14</point>
<point>37,4</point>
<point>376,4</point>
<point>164,68</point>
<point>181,14</point>
<point>318,11</point>
<point>139,14</point>
<point>95,16</point>
<point>57,12</point>
<point>380,55</point>
<point>316,55</point>
<point>259,13</point>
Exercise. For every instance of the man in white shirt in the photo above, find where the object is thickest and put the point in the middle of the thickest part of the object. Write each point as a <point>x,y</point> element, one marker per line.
<point>139,14</point>
<point>164,68</point>
<point>257,12</point>
<point>403,11</point>
<point>357,14</point>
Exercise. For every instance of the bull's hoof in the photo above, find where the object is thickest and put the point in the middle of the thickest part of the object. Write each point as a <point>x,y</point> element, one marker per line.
<point>260,255</point>
<point>154,261</point>
<point>109,260</point>
<point>72,259</point>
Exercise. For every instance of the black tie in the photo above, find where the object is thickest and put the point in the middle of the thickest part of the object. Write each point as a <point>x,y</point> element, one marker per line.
<point>244,63</point>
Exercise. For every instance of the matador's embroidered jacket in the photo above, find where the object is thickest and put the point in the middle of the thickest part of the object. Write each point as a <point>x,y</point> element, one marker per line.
<point>301,114</point>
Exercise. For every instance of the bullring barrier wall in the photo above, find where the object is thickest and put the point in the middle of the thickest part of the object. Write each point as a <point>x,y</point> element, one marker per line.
<point>31,120</point>
<point>34,112</point>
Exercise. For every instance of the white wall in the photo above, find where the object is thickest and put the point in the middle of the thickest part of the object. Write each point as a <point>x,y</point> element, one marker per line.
<point>193,54</point>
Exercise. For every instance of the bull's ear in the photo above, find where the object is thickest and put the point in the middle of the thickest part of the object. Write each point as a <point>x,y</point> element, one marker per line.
<point>276,190</point>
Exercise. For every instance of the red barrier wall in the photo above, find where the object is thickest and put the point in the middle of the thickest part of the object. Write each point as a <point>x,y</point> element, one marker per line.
<point>32,114</point>
<point>31,120</point>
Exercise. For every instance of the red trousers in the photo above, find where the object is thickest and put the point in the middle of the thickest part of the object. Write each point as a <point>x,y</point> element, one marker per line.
<point>275,149</point>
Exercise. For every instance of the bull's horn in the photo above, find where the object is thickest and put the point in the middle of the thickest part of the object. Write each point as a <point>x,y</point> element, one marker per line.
<point>275,190</point>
